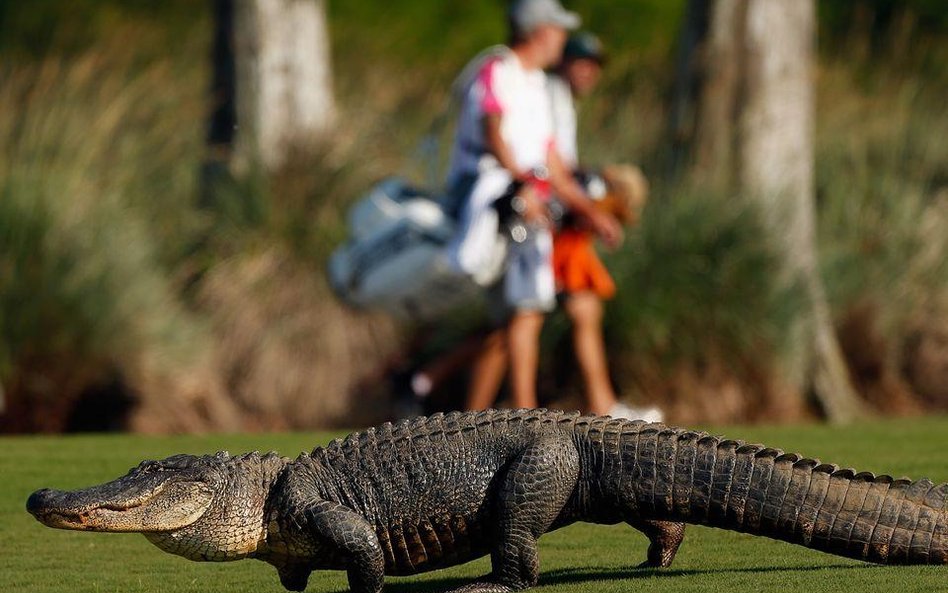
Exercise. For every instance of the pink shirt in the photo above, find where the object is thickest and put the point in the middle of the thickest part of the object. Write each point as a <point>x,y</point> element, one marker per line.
<point>521,98</point>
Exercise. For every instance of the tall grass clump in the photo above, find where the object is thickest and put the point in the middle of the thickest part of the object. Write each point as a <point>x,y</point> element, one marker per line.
<point>701,312</point>
<point>95,182</point>
<point>289,353</point>
<point>883,180</point>
<point>126,273</point>
<point>208,309</point>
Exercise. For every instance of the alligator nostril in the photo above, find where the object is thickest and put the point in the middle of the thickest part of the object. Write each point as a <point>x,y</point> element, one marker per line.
<point>39,500</point>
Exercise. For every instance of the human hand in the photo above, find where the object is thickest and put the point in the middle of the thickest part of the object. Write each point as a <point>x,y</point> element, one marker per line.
<point>531,208</point>
<point>608,228</point>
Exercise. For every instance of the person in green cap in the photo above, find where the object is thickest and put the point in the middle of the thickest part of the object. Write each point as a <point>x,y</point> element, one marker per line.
<point>582,281</point>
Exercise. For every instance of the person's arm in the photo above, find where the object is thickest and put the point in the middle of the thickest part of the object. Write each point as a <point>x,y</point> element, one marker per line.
<point>497,146</point>
<point>573,197</point>
<point>534,210</point>
<point>493,109</point>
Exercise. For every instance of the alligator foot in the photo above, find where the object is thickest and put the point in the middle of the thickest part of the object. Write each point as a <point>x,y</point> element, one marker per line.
<point>665,538</point>
<point>294,578</point>
<point>483,587</point>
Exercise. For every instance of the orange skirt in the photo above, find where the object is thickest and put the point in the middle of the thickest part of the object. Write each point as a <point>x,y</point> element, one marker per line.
<point>577,267</point>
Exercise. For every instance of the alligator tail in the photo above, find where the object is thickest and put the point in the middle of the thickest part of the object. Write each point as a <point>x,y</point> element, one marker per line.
<point>763,491</point>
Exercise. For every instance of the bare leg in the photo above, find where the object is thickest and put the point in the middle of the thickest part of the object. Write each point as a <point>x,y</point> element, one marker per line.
<point>488,371</point>
<point>585,312</point>
<point>461,356</point>
<point>523,338</point>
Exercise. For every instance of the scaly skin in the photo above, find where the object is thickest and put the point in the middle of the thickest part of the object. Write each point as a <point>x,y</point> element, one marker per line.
<point>435,492</point>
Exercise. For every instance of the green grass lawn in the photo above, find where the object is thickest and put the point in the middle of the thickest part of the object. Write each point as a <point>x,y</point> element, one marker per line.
<point>581,558</point>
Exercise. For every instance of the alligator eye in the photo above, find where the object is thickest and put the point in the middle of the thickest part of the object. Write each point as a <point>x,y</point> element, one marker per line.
<point>147,467</point>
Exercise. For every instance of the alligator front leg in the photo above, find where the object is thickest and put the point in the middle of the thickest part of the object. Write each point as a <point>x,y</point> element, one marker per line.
<point>351,538</point>
<point>532,494</point>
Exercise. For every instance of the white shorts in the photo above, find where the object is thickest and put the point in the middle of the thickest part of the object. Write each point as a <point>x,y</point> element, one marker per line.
<point>527,267</point>
<point>529,284</point>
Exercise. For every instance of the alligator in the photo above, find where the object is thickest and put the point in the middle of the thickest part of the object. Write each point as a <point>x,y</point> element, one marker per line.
<point>434,492</point>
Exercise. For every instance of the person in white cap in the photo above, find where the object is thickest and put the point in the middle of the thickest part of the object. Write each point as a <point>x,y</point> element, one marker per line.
<point>506,134</point>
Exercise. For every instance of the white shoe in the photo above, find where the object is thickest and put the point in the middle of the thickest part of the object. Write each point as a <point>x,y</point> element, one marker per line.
<point>620,410</point>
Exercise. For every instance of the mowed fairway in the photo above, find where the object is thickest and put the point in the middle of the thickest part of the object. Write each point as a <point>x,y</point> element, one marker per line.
<point>583,558</point>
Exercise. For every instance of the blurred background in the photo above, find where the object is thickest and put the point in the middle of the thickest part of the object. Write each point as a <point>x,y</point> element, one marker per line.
<point>164,230</point>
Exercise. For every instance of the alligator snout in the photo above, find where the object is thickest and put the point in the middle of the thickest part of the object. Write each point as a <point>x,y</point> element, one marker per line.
<point>55,508</point>
<point>40,501</point>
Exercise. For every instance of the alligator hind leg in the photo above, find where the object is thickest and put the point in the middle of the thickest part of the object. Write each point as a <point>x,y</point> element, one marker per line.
<point>533,492</point>
<point>665,538</point>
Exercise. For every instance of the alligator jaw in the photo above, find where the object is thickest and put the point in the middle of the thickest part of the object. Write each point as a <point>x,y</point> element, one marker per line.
<point>166,508</point>
<point>41,506</point>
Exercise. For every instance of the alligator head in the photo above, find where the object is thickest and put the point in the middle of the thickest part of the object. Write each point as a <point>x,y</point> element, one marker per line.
<point>202,508</point>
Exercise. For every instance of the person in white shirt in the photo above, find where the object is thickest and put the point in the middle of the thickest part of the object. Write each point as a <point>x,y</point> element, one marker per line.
<point>506,134</point>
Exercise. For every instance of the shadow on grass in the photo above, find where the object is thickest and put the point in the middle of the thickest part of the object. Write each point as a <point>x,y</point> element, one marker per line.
<point>589,575</point>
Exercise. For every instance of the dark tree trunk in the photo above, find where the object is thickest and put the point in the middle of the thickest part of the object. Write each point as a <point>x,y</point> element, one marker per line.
<point>220,134</point>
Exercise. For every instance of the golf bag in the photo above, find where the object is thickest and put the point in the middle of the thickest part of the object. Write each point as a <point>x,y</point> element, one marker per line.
<point>395,259</point>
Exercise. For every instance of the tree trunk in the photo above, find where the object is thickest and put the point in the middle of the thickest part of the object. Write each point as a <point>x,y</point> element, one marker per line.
<point>688,79</point>
<point>715,161</point>
<point>283,78</point>
<point>220,133</point>
<point>754,131</point>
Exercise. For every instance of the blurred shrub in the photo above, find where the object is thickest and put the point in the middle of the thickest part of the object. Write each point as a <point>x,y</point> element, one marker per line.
<point>700,301</point>
<point>840,18</point>
<point>43,27</point>
<point>700,275</point>
<point>882,175</point>
<point>883,159</point>
<point>208,306</point>
<point>290,354</point>
<point>89,184</point>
